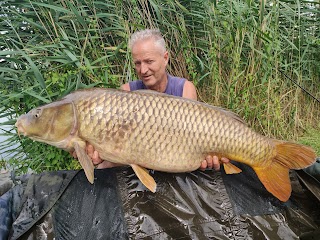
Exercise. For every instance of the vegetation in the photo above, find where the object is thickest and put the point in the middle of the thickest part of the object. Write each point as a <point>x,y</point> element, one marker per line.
<point>248,56</point>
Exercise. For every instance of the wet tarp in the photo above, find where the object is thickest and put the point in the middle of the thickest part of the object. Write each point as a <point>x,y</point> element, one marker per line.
<point>197,205</point>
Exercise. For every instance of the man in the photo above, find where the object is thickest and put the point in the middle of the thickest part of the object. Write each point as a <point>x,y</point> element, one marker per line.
<point>150,58</point>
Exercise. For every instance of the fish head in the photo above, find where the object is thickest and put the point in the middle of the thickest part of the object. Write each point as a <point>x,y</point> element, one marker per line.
<point>51,123</point>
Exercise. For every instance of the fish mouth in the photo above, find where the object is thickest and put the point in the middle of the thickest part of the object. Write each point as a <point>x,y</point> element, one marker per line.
<point>20,129</point>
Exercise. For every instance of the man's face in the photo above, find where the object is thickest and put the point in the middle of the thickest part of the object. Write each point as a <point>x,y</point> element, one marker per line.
<point>150,62</point>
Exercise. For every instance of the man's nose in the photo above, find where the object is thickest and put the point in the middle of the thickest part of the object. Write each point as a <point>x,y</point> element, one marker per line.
<point>144,68</point>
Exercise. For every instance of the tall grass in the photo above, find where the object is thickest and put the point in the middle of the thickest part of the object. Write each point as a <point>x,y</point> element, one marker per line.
<point>238,54</point>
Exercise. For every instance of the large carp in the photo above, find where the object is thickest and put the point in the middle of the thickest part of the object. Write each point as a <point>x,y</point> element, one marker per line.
<point>146,129</point>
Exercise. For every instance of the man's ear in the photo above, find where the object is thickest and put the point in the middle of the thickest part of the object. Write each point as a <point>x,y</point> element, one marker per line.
<point>166,57</point>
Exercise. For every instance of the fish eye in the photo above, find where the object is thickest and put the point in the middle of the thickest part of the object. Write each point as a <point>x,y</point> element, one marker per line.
<point>37,113</point>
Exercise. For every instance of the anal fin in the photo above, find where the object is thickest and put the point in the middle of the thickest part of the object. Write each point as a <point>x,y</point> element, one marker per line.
<point>144,177</point>
<point>230,168</point>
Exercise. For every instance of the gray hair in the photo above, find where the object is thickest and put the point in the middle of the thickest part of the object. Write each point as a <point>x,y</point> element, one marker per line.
<point>145,34</point>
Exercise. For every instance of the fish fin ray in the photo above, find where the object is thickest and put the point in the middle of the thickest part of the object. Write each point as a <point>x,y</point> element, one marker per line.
<point>293,155</point>
<point>144,177</point>
<point>275,175</point>
<point>230,168</point>
<point>275,179</point>
<point>85,162</point>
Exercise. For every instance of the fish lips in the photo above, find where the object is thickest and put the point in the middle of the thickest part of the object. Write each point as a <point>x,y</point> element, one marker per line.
<point>20,127</point>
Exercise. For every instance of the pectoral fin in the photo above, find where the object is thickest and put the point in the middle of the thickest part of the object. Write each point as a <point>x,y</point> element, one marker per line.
<point>229,168</point>
<point>144,177</point>
<point>85,162</point>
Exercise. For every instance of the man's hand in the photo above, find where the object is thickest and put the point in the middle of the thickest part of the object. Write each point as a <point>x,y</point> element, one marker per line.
<point>96,160</point>
<point>212,162</point>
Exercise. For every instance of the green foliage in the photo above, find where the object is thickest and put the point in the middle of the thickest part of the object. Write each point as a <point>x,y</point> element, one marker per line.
<point>44,158</point>
<point>3,164</point>
<point>234,51</point>
<point>311,138</point>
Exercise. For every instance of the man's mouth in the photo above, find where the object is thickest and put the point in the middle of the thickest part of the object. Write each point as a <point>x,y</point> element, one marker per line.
<point>146,77</point>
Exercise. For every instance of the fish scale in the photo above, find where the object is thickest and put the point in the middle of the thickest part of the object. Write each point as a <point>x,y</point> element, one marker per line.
<point>145,129</point>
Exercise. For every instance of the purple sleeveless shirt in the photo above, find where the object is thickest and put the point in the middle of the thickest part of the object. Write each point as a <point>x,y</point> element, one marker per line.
<point>174,87</point>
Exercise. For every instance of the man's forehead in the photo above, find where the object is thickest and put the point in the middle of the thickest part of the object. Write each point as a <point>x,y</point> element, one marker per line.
<point>146,53</point>
<point>146,45</point>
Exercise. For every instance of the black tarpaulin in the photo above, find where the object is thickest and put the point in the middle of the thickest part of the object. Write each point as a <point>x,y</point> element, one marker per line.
<point>197,205</point>
<point>200,205</point>
<point>64,205</point>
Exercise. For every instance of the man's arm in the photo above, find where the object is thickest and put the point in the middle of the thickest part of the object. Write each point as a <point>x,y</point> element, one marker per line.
<point>189,91</point>
<point>125,87</point>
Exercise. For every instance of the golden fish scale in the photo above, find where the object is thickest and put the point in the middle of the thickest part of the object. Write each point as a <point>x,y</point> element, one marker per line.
<point>163,132</point>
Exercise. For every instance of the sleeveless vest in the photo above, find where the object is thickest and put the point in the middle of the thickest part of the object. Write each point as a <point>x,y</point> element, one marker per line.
<point>174,87</point>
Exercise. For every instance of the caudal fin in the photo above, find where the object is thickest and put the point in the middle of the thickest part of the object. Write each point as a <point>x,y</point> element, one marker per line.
<point>293,155</point>
<point>275,176</point>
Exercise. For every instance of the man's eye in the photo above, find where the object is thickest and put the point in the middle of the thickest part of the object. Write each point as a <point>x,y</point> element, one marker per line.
<point>150,61</point>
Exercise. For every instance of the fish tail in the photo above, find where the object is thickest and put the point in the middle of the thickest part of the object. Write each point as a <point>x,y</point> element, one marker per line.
<point>275,176</point>
<point>293,155</point>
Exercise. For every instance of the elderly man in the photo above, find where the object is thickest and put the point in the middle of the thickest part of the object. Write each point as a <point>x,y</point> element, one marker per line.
<point>151,58</point>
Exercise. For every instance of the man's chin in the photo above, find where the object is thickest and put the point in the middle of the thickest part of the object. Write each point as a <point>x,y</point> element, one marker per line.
<point>148,82</point>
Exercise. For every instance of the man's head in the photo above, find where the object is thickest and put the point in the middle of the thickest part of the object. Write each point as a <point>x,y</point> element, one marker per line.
<point>150,58</point>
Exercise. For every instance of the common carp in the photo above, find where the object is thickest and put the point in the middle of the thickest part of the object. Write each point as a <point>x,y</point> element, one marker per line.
<point>146,129</point>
